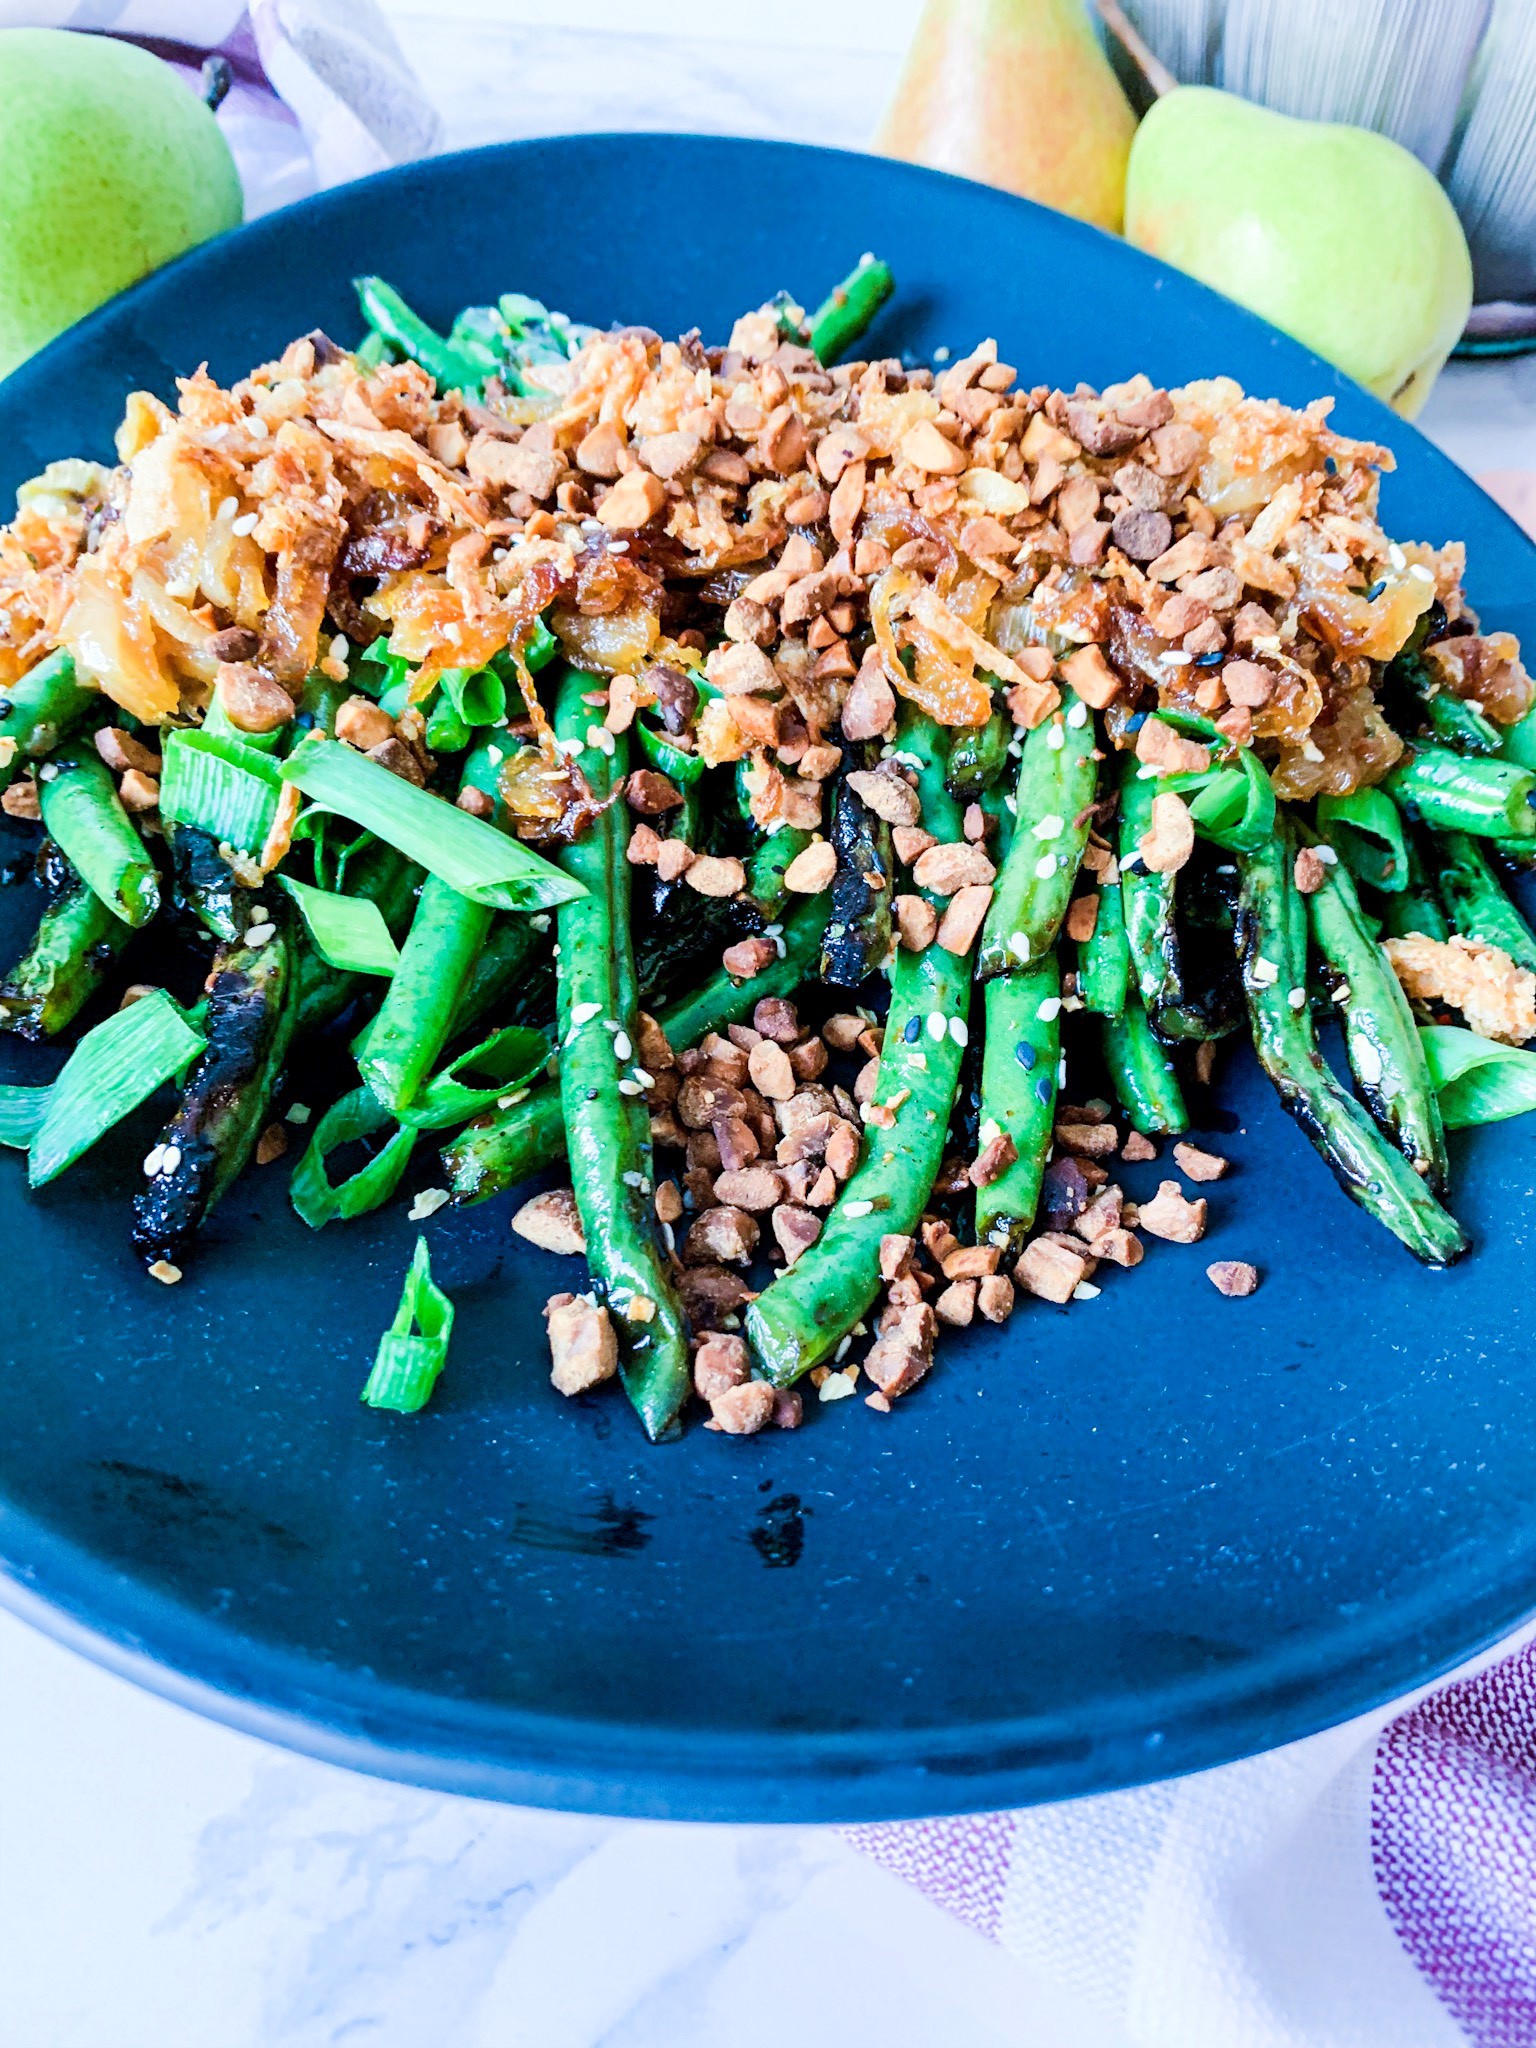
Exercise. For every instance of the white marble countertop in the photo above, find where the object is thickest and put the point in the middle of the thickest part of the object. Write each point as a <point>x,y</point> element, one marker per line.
<point>165,1883</point>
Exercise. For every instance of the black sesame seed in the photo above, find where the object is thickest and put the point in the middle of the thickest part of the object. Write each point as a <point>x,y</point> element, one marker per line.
<point>1024,1053</point>
<point>1212,660</point>
<point>912,1031</point>
<point>1375,590</point>
<point>1043,1088</point>
<point>1136,721</point>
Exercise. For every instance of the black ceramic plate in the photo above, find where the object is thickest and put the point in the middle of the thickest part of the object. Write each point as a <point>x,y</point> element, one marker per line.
<point>1151,1534</point>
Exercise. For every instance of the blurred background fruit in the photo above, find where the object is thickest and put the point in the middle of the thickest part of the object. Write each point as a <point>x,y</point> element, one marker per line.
<point>109,167</point>
<point>1339,236</point>
<point>1017,93</point>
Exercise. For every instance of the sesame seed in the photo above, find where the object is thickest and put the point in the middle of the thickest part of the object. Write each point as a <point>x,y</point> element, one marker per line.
<point>935,1027</point>
<point>957,1030</point>
<point>1326,855</point>
<point>1056,739</point>
<point>1311,751</point>
<point>1061,1072</point>
<point>426,1204</point>
<point>170,1158</point>
<point>584,1013</point>
<point>1365,1058</point>
<point>1049,827</point>
<point>1043,1089</point>
<point>1396,557</point>
<point>1418,569</point>
<point>228,507</point>
<point>1177,658</point>
<point>1297,998</point>
<point>1018,946</point>
<point>1086,1291</point>
<point>1342,993</point>
<point>941,355</point>
<point>912,1030</point>
<point>632,1179</point>
<point>1046,866</point>
<point>511,1101</point>
<point>601,738</point>
<point>628,1087</point>
<point>1024,1053</point>
<point>858,1209</point>
<point>245,524</point>
<point>258,934</point>
<point>48,771</point>
<point>1049,1010</point>
<point>257,427</point>
<point>1011,805</point>
<point>622,1049</point>
<point>153,1161</point>
<point>1077,717</point>
<point>646,1080</point>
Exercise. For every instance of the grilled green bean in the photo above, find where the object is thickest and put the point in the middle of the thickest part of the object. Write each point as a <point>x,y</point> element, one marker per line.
<point>807,1311</point>
<point>1104,961</point>
<point>849,307</point>
<point>1019,1059</point>
<point>405,1039</point>
<point>1381,1039</point>
<point>1416,907</point>
<point>1451,721</point>
<point>765,869</point>
<point>1052,801</point>
<point>450,368</point>
<point>82,813</point>
<point>858,936</point>
<point>978,758</point>
<point>1141,1073</point>
<point>227,1100</point>
<point>1272,947</point>
<point>607,1123</point>
<point>76,942</point>
<point>1465,793</point>
<point>1147,901</point>
<point>40,708</point>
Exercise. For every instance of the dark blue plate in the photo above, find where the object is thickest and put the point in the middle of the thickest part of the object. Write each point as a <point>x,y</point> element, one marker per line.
<point>1145,1536</point>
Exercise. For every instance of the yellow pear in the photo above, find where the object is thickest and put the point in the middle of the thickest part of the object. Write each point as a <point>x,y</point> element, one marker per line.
<point>1016,93</point>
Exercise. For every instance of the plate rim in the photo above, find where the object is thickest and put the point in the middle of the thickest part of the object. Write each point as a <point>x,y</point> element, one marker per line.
<point>139,1632</point>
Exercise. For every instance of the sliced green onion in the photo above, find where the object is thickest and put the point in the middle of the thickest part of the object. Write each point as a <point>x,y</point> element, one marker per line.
<point>21,1115</point>
<point>1233,801</point>
<point>414,1349</point>
<point>465,852</point>
<point>478,695</point>
<point>317,1199</point>
<point>1365,829</point>
<point>110,1072</point>
<point>1477,1080</point>
<point>1466,792</point>
<point>348,931</point>
<point>222,785</point>
<point>81,811</point>
<point>510,1059</point>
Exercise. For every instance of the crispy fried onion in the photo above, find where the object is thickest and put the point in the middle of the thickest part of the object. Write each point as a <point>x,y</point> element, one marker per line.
<point>907,612</point>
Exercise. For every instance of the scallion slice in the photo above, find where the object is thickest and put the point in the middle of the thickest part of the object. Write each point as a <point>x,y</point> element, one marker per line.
<point>317,1199</point>
<point>21,1114</point>
<point>414,1349</point>
<point>1365,829</point>
<point>509,1059</point>
<point>348,931</point>
<point>222,786</point>
<point>1477,1080</point>
<point>110,1072</point>
<point>465,852</point>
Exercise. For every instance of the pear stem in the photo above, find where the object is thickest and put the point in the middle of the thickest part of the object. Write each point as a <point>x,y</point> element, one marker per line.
<point>1159,78</point>
<point>214,82</point>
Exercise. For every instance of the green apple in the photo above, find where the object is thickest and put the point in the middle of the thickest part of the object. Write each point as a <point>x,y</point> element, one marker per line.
<point>1337,235</point>
<point>109,167</point>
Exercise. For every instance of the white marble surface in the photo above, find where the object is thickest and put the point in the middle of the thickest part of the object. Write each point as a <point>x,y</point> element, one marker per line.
<point>165,1883</point>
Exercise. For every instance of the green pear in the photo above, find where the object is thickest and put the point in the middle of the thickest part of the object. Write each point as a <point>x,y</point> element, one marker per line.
<point>109,167</point>
<point>1334,234</point>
